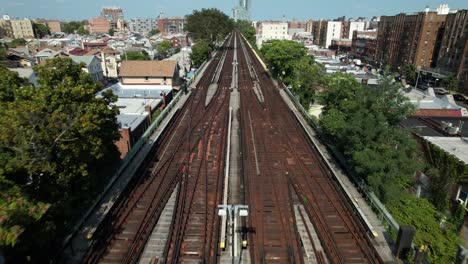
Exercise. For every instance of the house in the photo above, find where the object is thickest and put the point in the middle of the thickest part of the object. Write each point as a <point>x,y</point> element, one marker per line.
<point>150,73</point>
<point>110,60</point>
<point>45,54</point>
<point>27,73</point>
<point>92,65</point>
<point>137,106</point>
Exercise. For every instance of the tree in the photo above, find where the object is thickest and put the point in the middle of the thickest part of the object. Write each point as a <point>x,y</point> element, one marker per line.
<point>451,83</point>
<point>420,213</point>
<point>247,30</point>
<point>82,31</point>
<point>17,42</point>
<point>164,48</point>
<point>200,53</point>
<point>153,32</point>
<point>211,25</point>
<point>111,32</point>
<point>10,83</point>
<point>409,71</point>
<point>40,30</point>
<point>307,75</point>
<point>136,55</point>
<point>72,26</point>
<point>282,55</point>
<point>56,148</point>
<point>363,123</point>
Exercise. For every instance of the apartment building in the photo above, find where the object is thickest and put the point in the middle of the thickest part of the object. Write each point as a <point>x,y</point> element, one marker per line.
<point>333,32</point>
<point>269,30</point>
<point>453,55</point>
<point>172,25</point>
<point>21,28</point>
<point>364,44</point>
<point>99,25</point>
<point>5,27</point>
<point>410,39</point>
<point>143,25</point>
<point>319,32</point>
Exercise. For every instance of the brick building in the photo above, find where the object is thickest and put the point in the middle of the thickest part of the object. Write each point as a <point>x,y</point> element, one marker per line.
<point>172,25</point>
<point>319,31</point>
<point>453,55</point>
<point>112,14</point>
<point>99,25</point>
<point>54,25</point>
<point>410,39</point>
<point>364,44</point>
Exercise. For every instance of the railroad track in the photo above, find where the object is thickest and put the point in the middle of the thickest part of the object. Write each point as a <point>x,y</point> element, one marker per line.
<point>190,155</point>
<point>290,165</point>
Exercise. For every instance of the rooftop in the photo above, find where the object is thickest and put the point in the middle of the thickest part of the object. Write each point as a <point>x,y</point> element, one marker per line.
<point>134,91</point>
<point>452,145</point>
<point>148,68</point>
<point>87,59</point>
<point>433,126</point>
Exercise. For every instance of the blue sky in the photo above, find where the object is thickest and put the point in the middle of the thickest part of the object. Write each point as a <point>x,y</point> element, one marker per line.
<point>262,9</point>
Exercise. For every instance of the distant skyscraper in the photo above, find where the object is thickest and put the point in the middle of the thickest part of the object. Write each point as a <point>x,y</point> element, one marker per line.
<point>242,11</point>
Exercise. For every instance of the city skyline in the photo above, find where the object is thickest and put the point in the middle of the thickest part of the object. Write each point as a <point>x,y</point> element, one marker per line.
<point>298,9</point>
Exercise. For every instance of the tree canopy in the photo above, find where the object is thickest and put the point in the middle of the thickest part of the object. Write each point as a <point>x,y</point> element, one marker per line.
<point>82,31</point>
<point>200,53</point>
<point>72,26</point>
<point>17,42</point>
<point>164,48</point>
<point>210,24</point>
<point>153,32</point>
<point>111,32</point>
<point>246,28</point>
<point>136,55</point>
<point>40,30</point>
<point>409,71</point>
<point>56,151</point>
<point>420,213</point>
<point>282,55</point>
<point>363,122</point>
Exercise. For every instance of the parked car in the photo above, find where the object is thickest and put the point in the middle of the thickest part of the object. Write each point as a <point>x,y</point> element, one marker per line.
<point>440,91</point>
<point>459,97</point>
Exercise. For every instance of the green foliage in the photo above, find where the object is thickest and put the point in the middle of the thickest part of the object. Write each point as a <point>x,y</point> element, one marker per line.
<point>72,26</point>
<point>282,55</point>
<point>440,184</point>
<point>420,213</point>
<point>111,32</point>
<point>17,42</point>
<point>363,123</point>
<point>82,31</point>
<point>9,83</point>
<point>451,83</point>
<point>56,147</point>
<point>200,53</point>
<point>40,30</point>
<point>164,48</point>
<point>210,24</point>
<point>16,212</point>
<point>246,28</point>
<point>409,71</point>
<point>458,218</point>
<point>307,76</point>
<point>136,55</point>
<point>153,32</point>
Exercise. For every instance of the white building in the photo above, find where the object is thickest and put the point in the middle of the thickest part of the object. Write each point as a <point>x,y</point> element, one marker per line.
<point>355,26</point>
<point>333,32</point>
<point>269,30</point>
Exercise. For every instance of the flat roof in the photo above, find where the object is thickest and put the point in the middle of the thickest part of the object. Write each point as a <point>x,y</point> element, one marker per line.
<point>134,91</point>
<point>452,145</point>
<point>132,110</point>
<point>432,126</point>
